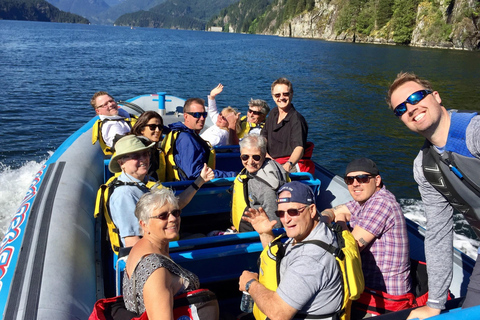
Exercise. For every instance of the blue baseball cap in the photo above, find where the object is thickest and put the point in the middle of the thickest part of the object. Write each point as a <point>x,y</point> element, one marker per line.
<point>299,192</point>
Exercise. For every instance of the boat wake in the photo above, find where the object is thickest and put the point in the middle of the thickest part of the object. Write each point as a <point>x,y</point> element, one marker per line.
<point>14,184</point>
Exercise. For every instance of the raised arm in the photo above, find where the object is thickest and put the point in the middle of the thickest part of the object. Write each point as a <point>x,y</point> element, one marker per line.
<point>260,222</point>
<point>186,196</point>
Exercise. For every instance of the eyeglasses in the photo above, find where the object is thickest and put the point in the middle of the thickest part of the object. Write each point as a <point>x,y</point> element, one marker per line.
<point>164,215</point>
<point>153,127</point>
<point>414,98</point>
<point>106,104</point>
<point>255,157</point>
<point>293,212</point>
<point>198,115</point>
<point>285,94</point>
<point>257,113</point>
<point>361,178</point>
<point>137,156</point>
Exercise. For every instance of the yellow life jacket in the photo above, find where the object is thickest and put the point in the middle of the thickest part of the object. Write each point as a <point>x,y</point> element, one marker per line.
<point>348,259</point>
<point>102,207</point>
<point>97,132</point>
<point>174,172</point>
<point>239,198</point>
<point>247,126</point>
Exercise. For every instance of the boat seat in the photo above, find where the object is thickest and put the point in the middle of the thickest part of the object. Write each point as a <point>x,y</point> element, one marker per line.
<point>120,263</point>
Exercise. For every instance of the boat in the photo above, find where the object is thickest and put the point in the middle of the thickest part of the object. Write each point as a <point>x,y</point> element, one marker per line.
<point>55,262</point>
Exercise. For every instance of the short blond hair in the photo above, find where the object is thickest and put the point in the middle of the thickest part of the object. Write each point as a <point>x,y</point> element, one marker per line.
<point>402,78</point>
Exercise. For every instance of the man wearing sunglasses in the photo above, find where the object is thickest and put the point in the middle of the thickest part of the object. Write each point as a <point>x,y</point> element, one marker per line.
<point>377,223</point>
<point>310,279</point>
<point>447,172</point>
<point>285,128</point>
<point>114,122</point>
<point>186,151</point>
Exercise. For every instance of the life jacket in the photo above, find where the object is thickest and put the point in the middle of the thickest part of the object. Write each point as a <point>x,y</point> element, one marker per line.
<point>240,200</point>
<point>199,304</point>
<point>348,259</point>
<point>305,164</point>
<point>174,172</point>
<point>247,126</point>
<point>102,207</point>
<point>97,132</point>
<point>159,163</point>
<point>455,173</point>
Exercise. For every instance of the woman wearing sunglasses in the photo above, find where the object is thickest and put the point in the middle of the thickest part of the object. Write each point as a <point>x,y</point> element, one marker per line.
<point>152,279</point>
<point>150,126</point>
<point>261,177</point>
<point>132,159</point>
<point>226,124</point>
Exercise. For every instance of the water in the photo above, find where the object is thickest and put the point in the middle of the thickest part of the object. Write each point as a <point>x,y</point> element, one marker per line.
<point>49,72</point>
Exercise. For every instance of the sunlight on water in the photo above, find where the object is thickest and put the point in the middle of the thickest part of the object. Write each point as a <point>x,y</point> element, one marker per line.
<point>14,185</point>
<point>413,210</point>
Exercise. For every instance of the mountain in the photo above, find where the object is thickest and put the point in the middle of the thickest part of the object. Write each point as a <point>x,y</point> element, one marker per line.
<point>239,16</point>
<point>429,23</point>
<point>127,6</point>
<point>84,8</point>
<point>186,14</point>
<point>36,10</point>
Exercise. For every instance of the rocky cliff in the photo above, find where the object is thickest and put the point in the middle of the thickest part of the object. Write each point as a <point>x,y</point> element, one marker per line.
<point>424,23</point>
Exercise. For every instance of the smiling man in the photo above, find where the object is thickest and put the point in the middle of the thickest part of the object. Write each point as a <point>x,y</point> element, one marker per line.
<point>378,225</point>
<point>113,124</point>
<point>285,128</point>
<point>447,172</point>
<point>310,278</point>
<point>186,152</point>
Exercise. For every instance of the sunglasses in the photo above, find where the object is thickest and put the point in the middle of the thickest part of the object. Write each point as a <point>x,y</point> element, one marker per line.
<point>278,95</point>
<point>291,212</point>
<point>153,127</point>
<point>414,98</point>
<point>198,115</point>
<point>137,156</point>
<point>255,157</point>
<point>164,215</point>
<point>361,178</point>
<point>257,113</point>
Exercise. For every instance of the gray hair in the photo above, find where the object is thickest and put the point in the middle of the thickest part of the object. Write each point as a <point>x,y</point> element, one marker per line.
<point>254,140</point>
<point>260,103</point>
<point>152,200</point>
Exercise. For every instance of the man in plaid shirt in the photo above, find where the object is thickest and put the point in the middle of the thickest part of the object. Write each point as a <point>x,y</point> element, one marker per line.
<point>377,223</point>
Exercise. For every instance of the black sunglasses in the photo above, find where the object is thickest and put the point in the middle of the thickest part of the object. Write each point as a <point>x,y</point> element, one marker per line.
<point>361,178</point>
<point>414,98</point>
<point>198,115</point>
<point>285,94</point>
<point>152,127</point>
<point>255,157</point>
<point>257,113</point>
<point>164,215</point>
<point>291,212</point>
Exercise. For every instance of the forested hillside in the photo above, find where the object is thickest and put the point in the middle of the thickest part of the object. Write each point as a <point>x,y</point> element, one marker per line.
<point>36,10</point>
<point>433,23</point>
<point>176,14</point>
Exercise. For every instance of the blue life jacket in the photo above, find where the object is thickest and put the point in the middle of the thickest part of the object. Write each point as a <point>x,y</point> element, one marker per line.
<point>456,172</point>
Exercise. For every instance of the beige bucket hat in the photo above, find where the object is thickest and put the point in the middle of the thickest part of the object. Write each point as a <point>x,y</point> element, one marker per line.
<point>126,145</point>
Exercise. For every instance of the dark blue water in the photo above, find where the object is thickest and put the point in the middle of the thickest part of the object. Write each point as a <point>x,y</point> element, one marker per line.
<point>49,71</point>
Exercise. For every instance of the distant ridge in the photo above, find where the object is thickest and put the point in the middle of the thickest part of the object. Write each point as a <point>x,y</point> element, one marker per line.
<point>36,10</point>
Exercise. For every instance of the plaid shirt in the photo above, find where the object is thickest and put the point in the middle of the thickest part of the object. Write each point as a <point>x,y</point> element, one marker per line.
<point>385,261</point>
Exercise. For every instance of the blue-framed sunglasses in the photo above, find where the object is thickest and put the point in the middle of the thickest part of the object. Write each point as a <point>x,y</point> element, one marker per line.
<point>198,115</point>
<point>414,98</point>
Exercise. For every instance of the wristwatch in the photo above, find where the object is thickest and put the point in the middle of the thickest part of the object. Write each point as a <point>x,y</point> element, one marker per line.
<point>291,163</point>
<point>249,283</point>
